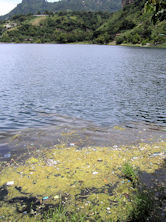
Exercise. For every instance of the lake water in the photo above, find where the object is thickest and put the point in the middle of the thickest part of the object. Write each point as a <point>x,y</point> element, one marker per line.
<point>108,85</point>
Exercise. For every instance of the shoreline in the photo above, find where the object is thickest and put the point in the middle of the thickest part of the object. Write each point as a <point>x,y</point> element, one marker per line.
<point>81,134</point>
<point>162,46</point>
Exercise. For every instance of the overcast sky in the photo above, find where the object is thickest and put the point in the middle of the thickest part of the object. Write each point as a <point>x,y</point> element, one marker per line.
<point>7,5</point>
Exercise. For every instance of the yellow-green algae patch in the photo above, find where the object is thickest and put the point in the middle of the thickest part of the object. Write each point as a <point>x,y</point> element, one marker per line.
<point>119,128</point>
<point>87,180</point>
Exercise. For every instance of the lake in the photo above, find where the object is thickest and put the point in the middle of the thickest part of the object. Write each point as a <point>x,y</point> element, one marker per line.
<point>108,85</point>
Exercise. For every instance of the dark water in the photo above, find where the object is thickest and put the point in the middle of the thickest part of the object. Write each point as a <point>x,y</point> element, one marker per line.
<point>104,84</point>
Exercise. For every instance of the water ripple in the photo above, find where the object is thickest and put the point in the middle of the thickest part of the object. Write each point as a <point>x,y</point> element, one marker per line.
<point>104,84</point>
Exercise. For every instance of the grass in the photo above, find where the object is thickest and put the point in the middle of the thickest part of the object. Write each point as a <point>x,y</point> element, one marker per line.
<point>142,199</point>
<point>61,215</point>
<point>142,205</point>
<point>130,173</point>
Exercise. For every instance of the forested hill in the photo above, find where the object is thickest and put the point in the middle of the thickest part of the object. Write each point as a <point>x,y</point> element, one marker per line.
<point>129,25</point>
<point>36,6</point>
<point>133,26</point>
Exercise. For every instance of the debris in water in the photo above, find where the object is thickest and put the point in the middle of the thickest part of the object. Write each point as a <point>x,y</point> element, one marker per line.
<point>72,144</point>
<point>156,154</point>
<point>56,197</point>
<point>7,155</point>
<point>10,183</point>
<point>51,162</point>
<point>45,198</point>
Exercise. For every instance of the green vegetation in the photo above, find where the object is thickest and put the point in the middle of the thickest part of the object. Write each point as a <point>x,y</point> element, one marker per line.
<point>63,27</point>
<point>158,9</point>
<point>129,173</point>
<point>61,215</point>
<point>142,199</point>
<point>142,205</point>
<point>130,26</point>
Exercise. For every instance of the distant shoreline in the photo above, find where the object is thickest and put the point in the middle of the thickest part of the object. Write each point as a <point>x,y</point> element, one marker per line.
<point>88,43</point>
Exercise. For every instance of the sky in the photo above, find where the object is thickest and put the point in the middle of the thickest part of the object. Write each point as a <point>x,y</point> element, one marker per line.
<point>7,5</point>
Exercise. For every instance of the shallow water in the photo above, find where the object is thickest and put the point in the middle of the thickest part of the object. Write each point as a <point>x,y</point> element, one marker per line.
<point>107,85</point>
<point>79,134</point>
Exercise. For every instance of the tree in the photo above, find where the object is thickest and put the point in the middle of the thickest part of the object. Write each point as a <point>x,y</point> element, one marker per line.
<point>158,9</point>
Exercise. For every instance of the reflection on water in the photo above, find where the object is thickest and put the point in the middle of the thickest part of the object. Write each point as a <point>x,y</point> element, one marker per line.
<point>104,84</point>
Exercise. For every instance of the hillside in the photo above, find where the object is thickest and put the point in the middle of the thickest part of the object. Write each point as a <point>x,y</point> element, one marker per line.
<point>127,26</point>
<point>131,25</point>
<point>36,6</point>
<point>62,27</point>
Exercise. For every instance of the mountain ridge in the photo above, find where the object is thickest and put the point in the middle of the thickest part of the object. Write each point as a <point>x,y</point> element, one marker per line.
<point>36,6</point>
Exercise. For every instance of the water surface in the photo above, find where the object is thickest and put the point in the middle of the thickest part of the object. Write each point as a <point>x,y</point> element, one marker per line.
<point>107,85</point>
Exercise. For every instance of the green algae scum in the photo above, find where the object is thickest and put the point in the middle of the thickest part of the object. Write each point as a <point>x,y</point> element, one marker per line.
<point>118,183</point>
